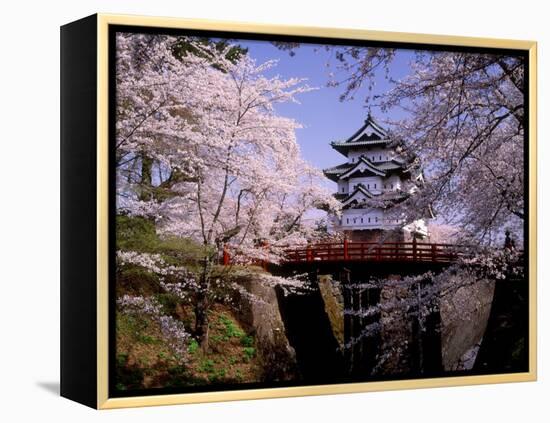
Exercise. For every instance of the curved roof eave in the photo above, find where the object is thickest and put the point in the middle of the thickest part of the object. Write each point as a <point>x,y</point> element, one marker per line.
<point>367,162</point>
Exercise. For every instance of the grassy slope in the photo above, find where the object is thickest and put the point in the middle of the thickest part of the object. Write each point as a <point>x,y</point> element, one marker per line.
<point>145,361</point>
<point>143,358</point>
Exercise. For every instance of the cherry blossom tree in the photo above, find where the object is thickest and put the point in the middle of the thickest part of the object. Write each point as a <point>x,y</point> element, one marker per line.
<point>465,119</point>
<point>202,151</point>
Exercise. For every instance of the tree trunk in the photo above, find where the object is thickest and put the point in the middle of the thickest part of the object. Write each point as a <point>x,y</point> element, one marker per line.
<point>201,320</point>
<point>202,305</point>
<point>146,178</point>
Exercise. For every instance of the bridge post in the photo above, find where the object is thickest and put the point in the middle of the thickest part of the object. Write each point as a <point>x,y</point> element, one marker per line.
<point>345,248</point>
<point>414,248</point>
<point>434,253</point>
<point>309,256</point>
<point>345,280</point>
<point>265,246</point>
<point>356,328</point>
<point>226,259</point>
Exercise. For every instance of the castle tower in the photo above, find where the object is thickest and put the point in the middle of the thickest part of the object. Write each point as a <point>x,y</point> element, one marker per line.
<point>372,180</point>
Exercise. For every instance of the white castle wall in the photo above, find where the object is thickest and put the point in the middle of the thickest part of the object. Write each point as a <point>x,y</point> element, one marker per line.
<point>373,183</point>
<point>376,155</point>
<point>343,187</point>
<point>364,218</point>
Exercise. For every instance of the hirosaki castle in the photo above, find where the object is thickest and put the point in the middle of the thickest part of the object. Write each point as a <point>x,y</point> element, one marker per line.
<point>370,182</point>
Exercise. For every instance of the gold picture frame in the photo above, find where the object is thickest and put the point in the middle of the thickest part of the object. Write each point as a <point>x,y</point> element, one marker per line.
<point>100,360</point>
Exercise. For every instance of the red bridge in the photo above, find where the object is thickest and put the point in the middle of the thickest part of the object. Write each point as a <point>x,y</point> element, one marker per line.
<point>370,252</point>
<point>375,251</point>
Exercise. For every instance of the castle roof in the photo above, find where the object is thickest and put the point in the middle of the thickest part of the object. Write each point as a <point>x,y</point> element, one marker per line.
<point>358,194</point>
<point>371,134</point>
<point>334,172</point>
<point>391,165</point>
<point>363,166</point>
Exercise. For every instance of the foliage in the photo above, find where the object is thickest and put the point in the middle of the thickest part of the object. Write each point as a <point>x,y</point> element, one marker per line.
<point>193,347</point>
<point>249,352</point>
<point>139,234</point>
<point>247,341</point>
<point>231,330</point>
<point>207,366</point>
<point>136,233</point>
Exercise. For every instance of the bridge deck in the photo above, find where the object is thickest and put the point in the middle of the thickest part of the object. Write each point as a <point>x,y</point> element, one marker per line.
<point>348,251</point>
<point>373,251</point>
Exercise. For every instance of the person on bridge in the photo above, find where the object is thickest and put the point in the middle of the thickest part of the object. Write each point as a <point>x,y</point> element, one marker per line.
<point>509,243</point>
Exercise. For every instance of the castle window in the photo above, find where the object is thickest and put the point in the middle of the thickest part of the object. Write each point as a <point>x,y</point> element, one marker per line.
<point>376,219</point>
<point>374,185</point>
<point>354,221</point>
<point>361,220</point>
<point>342,189</point>
<point>368,186</point>
<point>380,157</point>
<point>369,219</point>
<point>391,186</point>
<point>347,220</point>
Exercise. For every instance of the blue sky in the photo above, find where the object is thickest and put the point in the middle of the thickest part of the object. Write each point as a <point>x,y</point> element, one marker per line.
<point>324,117</point>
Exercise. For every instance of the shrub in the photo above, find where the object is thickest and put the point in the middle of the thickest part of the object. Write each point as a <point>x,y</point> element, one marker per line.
<point>231,330</point>
<point>249,352</point>
<point>206,366</point>
<point>247,341</point>
<point>193,347</point>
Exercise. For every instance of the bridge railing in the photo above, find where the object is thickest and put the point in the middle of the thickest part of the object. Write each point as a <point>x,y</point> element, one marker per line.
<point>375,251</point>
<point>370,252</point>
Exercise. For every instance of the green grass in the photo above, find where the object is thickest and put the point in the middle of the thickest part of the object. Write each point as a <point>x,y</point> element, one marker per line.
<point>249,353</point>
<point>132,325</point>
<point>136,234</point>
<point>247,341</point>
<point>193,347</point>
<point>217,375</point>
<point>231,330</point>
<point>149,340</point>
<point>121,359</point>
<point>136,327</point>
<point>206,365</point>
